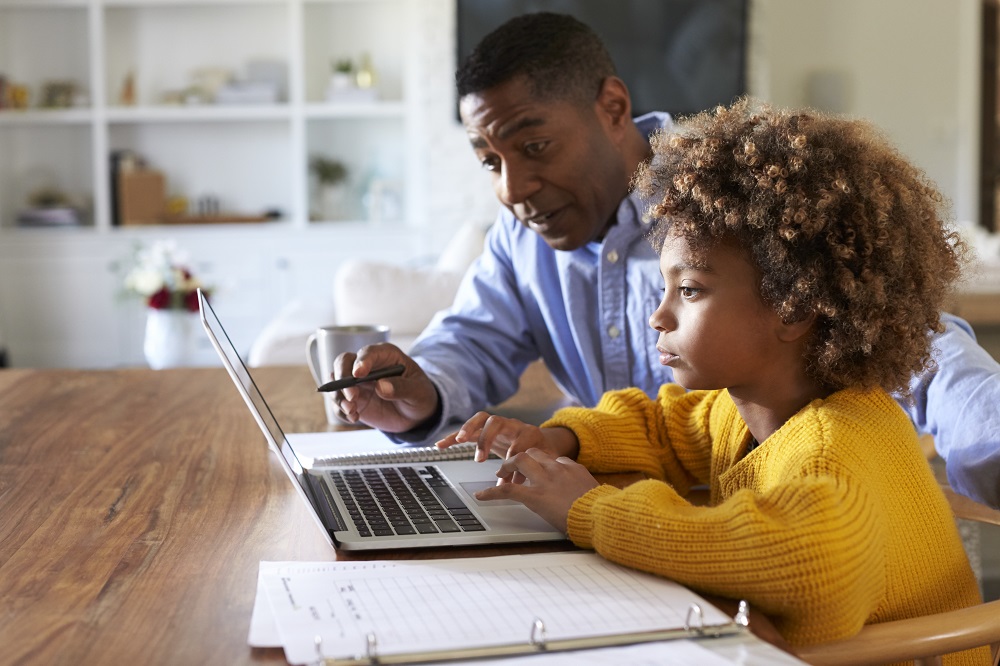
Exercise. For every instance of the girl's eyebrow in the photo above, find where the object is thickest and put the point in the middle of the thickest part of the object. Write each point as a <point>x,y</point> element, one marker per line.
<point>687,266</point>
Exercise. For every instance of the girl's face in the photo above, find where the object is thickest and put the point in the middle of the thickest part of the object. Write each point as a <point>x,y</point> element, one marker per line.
<point>715,331</point>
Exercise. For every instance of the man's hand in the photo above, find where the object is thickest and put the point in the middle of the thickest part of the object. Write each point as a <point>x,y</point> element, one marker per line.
<point>550,485</point>
<point>393,404</point>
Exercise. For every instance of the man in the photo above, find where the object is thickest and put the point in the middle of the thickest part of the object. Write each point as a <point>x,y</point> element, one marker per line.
<point>568,276</point>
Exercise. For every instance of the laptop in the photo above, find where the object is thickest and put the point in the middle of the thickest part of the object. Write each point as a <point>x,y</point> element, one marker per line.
<point>382,506</point>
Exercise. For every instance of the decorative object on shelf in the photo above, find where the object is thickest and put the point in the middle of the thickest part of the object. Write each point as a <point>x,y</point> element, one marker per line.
<point>331,186</point>
<point>351,85</point>
<point>49,207</point>
<point>127,95</point>
<point>160,275</point>
<point>365,76</point>
<point>59,95</point>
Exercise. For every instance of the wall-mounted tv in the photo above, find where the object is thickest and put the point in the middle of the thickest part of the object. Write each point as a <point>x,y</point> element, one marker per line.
<point>680,56</point>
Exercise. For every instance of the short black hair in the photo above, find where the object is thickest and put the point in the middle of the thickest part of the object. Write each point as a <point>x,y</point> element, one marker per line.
<point>561,57</point>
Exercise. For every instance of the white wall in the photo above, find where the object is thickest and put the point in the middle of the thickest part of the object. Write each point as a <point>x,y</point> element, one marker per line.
<point>909,66</point>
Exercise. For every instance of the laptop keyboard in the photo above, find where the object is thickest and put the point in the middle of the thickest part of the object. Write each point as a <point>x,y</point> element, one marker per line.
<point>388,501</point>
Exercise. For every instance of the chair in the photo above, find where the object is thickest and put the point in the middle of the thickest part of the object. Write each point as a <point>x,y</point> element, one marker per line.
<point>922,639</point>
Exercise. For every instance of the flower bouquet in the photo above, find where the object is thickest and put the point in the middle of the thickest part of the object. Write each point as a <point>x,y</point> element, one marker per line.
<point>161,276</point>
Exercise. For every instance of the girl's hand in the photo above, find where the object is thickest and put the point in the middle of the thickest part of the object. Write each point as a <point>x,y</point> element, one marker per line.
<point>549,485</point>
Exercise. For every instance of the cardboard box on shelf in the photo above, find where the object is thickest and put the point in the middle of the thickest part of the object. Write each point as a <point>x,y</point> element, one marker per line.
<point>142,197</point>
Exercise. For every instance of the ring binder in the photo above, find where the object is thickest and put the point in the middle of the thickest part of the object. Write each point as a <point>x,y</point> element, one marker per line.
<point>538,642</point>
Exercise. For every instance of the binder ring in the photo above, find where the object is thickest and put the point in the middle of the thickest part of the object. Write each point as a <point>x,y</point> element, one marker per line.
<point>742,617</point>
<point>318,643</point>
<point>695,610</point>
<point>371,651</point>
<point>537,637</point>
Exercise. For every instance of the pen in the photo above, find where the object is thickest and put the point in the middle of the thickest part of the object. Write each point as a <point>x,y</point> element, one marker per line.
<point>337,384</point>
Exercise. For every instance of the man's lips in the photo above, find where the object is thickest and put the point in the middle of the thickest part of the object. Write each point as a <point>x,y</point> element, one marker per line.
<point>543,220</point>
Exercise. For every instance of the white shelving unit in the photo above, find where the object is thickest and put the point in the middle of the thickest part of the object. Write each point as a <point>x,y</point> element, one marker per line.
<point>251,158</point>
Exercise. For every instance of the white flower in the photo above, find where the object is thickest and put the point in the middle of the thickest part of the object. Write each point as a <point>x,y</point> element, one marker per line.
<point>158,267</point>
<point>144,280</point>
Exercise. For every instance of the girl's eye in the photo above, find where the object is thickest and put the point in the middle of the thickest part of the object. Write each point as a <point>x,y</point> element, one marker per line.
<point>688,292</point>
<point>490,163</point>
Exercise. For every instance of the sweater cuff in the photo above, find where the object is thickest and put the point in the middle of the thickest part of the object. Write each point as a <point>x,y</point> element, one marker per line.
<point>580,521</point>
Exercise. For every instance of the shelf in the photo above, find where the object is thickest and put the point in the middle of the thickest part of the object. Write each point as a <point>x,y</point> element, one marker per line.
<point>45,117</point>
<point>42,4</point>
<point>320,110</point>
<point>204,113</point>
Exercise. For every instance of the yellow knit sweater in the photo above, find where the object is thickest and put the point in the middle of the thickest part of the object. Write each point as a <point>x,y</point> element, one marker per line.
<point>835,521</point>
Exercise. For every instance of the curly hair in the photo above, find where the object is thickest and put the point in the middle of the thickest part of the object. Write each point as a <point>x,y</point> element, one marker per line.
<point>837,222</point>
<point>561,57</point>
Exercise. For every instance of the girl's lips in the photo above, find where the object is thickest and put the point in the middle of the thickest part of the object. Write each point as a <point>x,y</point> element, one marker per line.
<point>666,358</point>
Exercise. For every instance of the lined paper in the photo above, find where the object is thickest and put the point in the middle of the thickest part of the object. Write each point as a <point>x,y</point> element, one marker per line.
<point>418,606</point>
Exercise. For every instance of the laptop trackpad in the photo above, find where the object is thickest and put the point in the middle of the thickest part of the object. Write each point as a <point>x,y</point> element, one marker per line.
<point>472,487</point>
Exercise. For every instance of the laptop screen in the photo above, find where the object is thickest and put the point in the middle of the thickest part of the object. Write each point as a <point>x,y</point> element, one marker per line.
<point>238,371</point>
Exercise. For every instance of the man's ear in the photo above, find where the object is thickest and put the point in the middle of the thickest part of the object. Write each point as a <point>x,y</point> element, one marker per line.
<point>613,104</point>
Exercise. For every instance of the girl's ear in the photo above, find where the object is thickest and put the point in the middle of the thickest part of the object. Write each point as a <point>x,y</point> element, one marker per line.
<point>793,331</point>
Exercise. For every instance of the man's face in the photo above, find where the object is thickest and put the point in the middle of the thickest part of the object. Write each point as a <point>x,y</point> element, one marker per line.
<point>555,165</point>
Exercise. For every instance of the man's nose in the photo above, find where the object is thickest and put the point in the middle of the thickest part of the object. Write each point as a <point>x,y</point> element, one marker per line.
<point>516,185</point>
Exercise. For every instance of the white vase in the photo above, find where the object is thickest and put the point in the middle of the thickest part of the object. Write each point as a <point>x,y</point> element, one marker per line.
<point>170,338</point>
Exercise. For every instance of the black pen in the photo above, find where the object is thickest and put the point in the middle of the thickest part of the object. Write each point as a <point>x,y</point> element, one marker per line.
<point>337,384</point>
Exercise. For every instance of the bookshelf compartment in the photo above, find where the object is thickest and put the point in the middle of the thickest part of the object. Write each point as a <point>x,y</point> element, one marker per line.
<point>372,151</point>
<point>27,56</point>
<point>246,178</point>
<point>352,29</point>
<point>143,43</point>
<point>41,156</point>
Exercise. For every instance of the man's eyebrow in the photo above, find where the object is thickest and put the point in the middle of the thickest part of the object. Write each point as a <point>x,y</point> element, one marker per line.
<point>518,125</point>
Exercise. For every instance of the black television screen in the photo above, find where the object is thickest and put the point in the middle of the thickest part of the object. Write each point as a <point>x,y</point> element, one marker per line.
<point>680,56</point>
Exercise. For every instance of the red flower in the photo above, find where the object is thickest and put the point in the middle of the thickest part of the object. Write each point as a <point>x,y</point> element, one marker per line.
<point>160,300</point>
<point>191,301</point>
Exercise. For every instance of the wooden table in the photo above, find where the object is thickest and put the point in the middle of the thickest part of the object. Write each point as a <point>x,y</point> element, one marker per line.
<point>135,506</point>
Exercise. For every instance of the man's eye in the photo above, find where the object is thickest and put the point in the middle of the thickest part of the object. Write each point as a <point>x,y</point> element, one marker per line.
<point>490,163</point>
<point>688,292</point>
<point>535,148</point>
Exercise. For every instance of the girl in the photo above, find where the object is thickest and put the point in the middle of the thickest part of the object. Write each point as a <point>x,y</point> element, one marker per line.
<point>805,263</point>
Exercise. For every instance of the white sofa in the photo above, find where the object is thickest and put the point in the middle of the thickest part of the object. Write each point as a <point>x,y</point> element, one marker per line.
<point>369,292</point>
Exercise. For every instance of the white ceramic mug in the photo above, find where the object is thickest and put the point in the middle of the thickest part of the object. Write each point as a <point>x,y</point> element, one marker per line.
<point>327,343</point>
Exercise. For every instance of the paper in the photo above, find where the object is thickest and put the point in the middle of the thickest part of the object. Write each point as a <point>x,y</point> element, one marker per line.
<point>263,628</point>
<point>451,604</point>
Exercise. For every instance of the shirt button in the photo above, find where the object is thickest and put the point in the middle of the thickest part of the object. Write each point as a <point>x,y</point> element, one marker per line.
<point>647,218</point>
<point>613,331</point>
<point>613,256</point>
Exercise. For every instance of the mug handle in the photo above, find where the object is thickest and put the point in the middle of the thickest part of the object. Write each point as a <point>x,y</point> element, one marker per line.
<point>312,359</point>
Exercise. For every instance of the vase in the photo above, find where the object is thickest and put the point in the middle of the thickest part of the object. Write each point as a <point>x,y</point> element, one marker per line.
<point>332,200</point>
<point>170,338</point>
